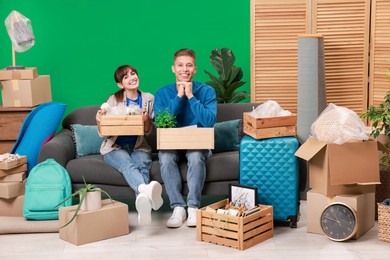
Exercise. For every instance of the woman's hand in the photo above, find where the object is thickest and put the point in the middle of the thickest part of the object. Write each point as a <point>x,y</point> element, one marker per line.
<point>98,116</point>
<point>146,120</point>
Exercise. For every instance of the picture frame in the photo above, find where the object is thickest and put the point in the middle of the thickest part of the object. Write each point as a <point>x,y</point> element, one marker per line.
<point>241,195</point>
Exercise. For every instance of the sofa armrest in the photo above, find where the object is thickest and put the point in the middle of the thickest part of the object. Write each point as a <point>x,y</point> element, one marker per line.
<point>61,148</point>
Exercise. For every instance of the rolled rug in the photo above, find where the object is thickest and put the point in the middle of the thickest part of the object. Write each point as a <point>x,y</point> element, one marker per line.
<point>19,225</point>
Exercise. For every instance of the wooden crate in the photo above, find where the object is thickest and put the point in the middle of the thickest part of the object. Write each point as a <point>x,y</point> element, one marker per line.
<point>185,138</point>
<point>13,164</point>
<point>232,231</point>
<point>260,128</point>
<point>121,125</point>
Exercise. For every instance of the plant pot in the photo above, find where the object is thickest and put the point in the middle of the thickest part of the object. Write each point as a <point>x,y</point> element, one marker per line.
<point>92,201</point>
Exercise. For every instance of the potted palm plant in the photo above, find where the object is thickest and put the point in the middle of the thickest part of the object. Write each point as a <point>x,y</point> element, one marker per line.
<point>90,199</point>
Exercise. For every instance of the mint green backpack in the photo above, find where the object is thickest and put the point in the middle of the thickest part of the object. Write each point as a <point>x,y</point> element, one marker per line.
<point>48,183</point>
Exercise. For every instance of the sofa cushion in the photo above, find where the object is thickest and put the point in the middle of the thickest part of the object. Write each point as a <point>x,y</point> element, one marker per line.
<point>86,139</point>
<point>227,135</point>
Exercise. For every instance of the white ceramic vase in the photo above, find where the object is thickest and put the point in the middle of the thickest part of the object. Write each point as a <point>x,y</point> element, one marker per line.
<point>92,201</point>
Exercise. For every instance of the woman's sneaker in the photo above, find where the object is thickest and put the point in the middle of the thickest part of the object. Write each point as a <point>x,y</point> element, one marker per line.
<point>144,208</point>
<point>177,218</point>
<point>153,190</point>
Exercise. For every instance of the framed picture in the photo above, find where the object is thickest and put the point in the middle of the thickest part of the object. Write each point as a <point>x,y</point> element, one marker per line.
<point>243,196</point>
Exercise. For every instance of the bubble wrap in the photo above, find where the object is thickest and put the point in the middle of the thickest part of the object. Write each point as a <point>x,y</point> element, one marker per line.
<point>20,31</point>
<point>338,125</point>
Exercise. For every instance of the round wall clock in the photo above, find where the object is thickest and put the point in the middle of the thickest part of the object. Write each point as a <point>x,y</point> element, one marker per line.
<point>339,222</point>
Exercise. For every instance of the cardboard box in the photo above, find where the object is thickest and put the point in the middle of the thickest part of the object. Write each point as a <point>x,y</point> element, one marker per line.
<point>17,169</point>
<point>13,164</point>
<point>185,138</point>
<point>26,93</point>
<point>121,125</point>
<point>27,73</point>
<point>13,189</point>
<point>16,177</point>
<point>260,128</point>
<point>111,220</point>
<point>363,204</point>
<point>341,169</point>
<point>232,231</point>
<point>12,207</point>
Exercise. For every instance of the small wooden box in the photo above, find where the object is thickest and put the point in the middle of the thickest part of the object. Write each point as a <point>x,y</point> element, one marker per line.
<point>185,138</point>
<point>260,128</point>
<point>121,125</point>
<point>27,73</point>
<point>237,232</point>
<point>13,164</point>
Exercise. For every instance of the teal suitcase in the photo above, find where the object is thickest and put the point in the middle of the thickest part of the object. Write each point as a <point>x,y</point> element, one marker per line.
<point>271,166</point>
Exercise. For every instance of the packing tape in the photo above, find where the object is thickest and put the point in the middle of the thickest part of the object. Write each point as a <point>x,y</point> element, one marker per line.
<point>17,103</point>
<point>330,199</point>
<point>15,85</point>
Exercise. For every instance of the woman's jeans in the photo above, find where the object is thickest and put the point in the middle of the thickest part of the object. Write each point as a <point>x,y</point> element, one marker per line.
<point>196,176</point>
<point>134,165</point>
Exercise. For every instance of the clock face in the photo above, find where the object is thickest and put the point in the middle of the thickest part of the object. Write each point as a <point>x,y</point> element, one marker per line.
<point>338,221</point>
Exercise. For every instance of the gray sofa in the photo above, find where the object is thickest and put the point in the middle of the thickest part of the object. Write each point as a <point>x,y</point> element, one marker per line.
<point>222,167</point>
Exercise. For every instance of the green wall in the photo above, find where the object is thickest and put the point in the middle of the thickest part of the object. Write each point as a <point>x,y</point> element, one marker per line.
<point>79,43</point>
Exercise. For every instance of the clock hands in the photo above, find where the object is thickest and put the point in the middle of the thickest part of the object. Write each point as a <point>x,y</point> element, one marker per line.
<point>335,220</point>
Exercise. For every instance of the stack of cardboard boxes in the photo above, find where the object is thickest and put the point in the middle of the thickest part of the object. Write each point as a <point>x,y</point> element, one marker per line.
<point>344,173</point>
<point>12,185</point>
<point>24,88</point>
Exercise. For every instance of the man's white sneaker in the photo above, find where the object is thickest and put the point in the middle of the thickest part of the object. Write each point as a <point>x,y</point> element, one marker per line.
<point>144,208</point>
<point>177,218</point>
<point>191,220</point>
<point>153,190</point>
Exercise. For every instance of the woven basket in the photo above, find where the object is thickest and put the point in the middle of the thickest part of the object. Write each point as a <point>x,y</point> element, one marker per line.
<point>383,189</point>
<point>383,222</point>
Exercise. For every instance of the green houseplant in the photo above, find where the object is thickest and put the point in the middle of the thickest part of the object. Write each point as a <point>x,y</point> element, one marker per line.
<point>164,119</point>
<point>229,79</point>
<point>82,193</point>
<point>380,118</point>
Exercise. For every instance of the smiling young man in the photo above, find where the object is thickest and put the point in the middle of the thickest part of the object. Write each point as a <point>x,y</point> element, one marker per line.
<point>193,103</point>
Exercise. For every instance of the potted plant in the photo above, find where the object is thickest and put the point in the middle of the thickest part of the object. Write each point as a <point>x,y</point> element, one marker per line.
<point>380,119</point>
<point>164,119</point>
<point>90,199</point>
<point>229,79</point>
<point>170,137</point>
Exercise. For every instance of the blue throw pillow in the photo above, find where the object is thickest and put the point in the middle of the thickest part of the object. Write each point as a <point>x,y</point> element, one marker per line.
<point>227,135</point>
<point>86,139</point>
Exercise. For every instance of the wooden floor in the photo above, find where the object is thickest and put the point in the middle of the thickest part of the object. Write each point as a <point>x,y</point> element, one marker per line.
<point>158,242</point>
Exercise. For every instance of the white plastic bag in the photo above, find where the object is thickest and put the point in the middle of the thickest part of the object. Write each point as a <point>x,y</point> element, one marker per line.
<point>270,108</point>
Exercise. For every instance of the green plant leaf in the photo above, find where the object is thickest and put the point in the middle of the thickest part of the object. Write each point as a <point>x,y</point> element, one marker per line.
<point>232,87</point>
<point>83,193</point>
<point>216,83</point>
<point>222,61</point>
<point>239,96</point>
<point>236,74</point>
